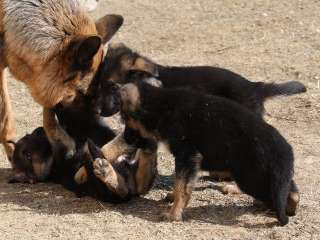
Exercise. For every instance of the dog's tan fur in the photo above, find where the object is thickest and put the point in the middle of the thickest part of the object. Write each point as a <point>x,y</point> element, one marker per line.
<point>117,147</point>
<point>42,52</point>
<point>147,163</point>
<point>146,169</point>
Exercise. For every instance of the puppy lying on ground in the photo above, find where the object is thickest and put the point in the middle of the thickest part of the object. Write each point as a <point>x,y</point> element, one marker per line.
<point>34,160</point>
<point>212,133</point>
<point>87,173</point>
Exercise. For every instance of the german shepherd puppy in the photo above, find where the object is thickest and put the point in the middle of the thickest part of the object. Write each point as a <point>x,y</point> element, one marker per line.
<point>122,61</point>
<point>55,48</point>
<point>86,173</point>
<point>212,133</point>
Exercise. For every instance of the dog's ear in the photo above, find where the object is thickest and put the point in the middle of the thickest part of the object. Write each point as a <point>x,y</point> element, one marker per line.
<point>145,65</point>
<point>87,49</point>
<point>108,25</point>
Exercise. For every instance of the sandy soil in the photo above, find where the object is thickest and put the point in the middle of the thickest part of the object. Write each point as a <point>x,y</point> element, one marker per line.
<point>263,40</point>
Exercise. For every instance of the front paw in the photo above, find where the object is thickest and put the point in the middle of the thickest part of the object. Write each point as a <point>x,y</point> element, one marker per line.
<point>172,216</point>
<point>103,170</point>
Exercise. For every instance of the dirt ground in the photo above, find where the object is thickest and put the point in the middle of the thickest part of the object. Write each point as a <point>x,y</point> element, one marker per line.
<point>262,40</point>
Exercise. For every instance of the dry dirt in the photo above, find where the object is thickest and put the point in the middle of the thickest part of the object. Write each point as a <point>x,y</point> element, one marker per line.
<point>263,40</point>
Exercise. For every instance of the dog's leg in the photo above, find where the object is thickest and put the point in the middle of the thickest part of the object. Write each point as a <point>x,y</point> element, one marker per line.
<point>117,147</point>
<point>55,133</point>
<point>187,164</point>
<point>280,192</point>
<point>103,170</point>
<point>7,121</point>
<point>147,169</point>
<point>293,199</point>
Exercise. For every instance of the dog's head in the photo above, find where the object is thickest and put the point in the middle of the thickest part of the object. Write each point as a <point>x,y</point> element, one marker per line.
<point>73,65</point>
<point>121,60</point>
<point>122,65</point>
<point>32,158</point>
<point>136,110</point>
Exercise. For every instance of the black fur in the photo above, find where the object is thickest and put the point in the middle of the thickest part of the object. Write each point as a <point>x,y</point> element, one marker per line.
<point>204,79</point>
<point>227,135</point>
<point>225,83</point>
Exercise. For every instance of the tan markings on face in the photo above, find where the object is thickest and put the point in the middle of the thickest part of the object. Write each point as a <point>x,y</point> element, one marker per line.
<point>130,97</point>
<point>143,65</point>
<point>41,167</point>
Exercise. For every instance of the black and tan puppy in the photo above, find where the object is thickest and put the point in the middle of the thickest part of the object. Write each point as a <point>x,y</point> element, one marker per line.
<point>212,133</point>
<point>121,61</point>
<point>87,173</point>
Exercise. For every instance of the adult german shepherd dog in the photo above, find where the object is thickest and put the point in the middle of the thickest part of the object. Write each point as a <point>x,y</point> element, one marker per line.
<point>55,48</point>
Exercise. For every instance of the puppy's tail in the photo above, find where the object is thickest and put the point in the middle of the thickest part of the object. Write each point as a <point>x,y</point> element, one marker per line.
<point>268,90</point>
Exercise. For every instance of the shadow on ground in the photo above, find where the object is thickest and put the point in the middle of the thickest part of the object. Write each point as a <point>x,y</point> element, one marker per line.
<point>47,198</point>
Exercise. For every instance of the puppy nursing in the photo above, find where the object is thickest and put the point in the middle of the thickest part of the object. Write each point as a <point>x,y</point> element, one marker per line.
<point>212,133</point>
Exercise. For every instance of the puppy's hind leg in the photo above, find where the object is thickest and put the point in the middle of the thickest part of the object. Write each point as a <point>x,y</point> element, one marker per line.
<point>280,192</point>
<point>293,199</point>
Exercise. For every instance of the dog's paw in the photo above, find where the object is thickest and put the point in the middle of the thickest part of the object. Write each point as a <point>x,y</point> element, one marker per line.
<point>103,170</point>
<point>171,216</point>
<point>230,189</point>
<point>293,203</point>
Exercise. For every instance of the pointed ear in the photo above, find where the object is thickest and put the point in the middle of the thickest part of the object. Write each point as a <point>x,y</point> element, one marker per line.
<point>108,25</point>
<point>87,49</point>
<point>143,64</point>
